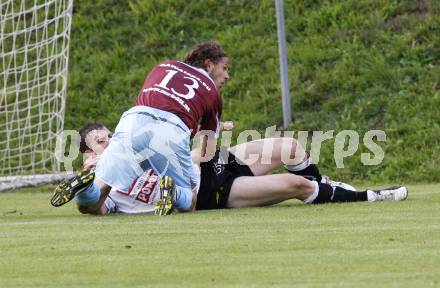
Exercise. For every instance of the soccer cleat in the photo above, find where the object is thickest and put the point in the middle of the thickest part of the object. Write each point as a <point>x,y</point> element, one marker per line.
<point>334,184</point>
<point>67,190</point>
<point>395,193</point>
<point>165,204</point>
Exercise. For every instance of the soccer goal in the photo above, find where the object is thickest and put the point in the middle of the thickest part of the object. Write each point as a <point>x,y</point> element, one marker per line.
<point>34,50</point>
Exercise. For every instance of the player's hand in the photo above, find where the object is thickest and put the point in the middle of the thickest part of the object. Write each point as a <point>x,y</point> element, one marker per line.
<point>90,162</point>
<point>227,125</point>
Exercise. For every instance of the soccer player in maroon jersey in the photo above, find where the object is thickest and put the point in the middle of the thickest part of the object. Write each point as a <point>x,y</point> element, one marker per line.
<point>189,89</point>
<point>176,97</point>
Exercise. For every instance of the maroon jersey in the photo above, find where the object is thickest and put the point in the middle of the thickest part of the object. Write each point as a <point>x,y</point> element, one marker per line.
<point>184,91</point>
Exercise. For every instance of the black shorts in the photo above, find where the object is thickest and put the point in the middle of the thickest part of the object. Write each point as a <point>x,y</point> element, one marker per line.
<point>217,176</point>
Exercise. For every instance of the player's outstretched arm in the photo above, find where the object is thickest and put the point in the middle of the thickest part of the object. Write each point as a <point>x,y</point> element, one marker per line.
<point>98,208</point>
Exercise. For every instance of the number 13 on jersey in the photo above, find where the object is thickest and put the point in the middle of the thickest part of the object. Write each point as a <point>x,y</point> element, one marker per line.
<point>168,84</point>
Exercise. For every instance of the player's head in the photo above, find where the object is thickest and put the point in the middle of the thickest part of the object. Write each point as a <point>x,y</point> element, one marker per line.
<point>211,57</point>
<point>95,138</point>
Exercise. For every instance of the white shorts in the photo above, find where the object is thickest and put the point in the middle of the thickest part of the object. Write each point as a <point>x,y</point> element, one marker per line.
<point>148,138</point>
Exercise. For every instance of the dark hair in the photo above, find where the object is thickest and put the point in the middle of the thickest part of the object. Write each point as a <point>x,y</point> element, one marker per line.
<point>86,129</point>
<point>209,50</point>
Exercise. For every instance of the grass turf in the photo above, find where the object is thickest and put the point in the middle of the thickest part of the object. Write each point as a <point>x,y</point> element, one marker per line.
<point>387,244</point>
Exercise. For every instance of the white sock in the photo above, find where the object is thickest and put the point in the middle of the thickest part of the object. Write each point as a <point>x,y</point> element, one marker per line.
<point>298,167</point>
<point>371,196</point>
<point>311,198</point>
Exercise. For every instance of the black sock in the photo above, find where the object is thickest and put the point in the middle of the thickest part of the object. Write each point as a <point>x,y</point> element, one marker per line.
<point>344,195</point>
<point>311,172</point>
<point>326,194</point>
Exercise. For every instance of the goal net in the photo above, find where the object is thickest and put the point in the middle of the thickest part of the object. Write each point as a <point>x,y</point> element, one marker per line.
<point>34,49</point>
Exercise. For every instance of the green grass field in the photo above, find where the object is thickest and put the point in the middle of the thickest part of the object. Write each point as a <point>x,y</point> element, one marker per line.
<point>387,244</point>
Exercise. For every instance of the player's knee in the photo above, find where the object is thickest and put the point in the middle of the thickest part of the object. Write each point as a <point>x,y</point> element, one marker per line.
<point>285,143</point>
<point>297,184</point>
<point>292,143</point>
<point>290,148</point>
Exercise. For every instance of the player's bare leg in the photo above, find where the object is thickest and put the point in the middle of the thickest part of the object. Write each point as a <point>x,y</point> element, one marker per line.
<point>247,191</point>
<point>265,155</point>
<point>268,190</point>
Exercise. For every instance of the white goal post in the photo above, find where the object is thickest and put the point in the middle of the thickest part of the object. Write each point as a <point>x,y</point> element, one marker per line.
<point>34,51</point>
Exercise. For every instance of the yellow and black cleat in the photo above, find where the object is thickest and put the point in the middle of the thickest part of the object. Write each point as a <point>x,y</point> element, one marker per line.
<point>165,204</point>
<point>65,191</point>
